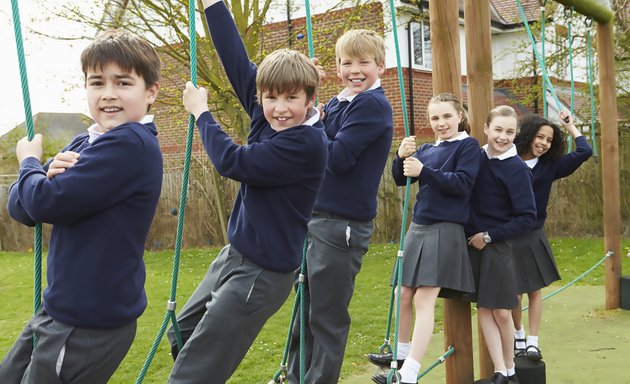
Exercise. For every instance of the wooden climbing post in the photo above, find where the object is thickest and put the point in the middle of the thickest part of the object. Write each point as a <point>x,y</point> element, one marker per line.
<point>444,20</point>
<point>610,162</point>
<point>480,102</point>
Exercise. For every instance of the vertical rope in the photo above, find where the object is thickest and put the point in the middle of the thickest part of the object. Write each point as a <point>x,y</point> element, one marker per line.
<point>398,268</point>
<point>589,53</point>
<point>538,56</point>
<point>303,277</point>
<point>171,305</point>
<point>30,131</point>
<point>570,42</point>
<point>309,29</point>
<point>542,49</point>
<point>298,304</point>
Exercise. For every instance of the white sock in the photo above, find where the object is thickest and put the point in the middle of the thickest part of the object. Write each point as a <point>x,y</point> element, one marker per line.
<point>532,341</point>
<point>403,350</point>
<point>409,371</point>
<point>519,334</point>
<point>511,371</point>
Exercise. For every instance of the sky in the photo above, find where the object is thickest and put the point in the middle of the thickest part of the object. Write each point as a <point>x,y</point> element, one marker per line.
<point>53,69</point>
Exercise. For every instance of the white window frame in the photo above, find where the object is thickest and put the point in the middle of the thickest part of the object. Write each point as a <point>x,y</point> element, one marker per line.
<point>425,45</point>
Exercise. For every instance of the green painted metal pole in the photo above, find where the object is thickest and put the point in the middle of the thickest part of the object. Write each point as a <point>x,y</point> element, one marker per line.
<point>591,8</point>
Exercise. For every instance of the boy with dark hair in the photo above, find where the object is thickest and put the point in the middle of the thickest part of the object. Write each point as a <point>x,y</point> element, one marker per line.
<point>280,170</point>
<point>359,127</point>
<point>100,195</point>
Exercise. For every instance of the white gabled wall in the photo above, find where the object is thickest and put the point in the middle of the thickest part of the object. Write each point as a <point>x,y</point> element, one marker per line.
<point>508,47</point>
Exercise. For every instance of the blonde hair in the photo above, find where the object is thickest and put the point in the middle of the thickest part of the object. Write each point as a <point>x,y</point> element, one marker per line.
<point>359,44</point>
<point>463,125</point>
<point>500,110</point>
<point>286,70</point>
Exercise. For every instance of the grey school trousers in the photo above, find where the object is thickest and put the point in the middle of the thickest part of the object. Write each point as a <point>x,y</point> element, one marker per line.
<point>65,354</point>
<point>224,315</point>
<point>334,255</point>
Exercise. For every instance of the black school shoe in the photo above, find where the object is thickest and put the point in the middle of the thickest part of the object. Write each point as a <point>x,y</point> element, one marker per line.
<point>498,378</point>
<point>383,359</point>
<point>382,379</point>
<point>533,353</point>
<point>519,352</point>
<point>513,379</point>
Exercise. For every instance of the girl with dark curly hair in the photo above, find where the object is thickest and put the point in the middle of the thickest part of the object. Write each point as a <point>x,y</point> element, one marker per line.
<point>542,145</point>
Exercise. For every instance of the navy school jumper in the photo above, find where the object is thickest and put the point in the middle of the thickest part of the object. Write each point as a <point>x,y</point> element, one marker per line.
<point>359,139</point>
<point>101,210</point>
<point>280,172</point>
<point>502,201</point>
<point>545,172</point>
<point>446,180</point>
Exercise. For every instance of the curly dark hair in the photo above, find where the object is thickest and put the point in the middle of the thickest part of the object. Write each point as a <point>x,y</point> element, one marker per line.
<point>528,128</point>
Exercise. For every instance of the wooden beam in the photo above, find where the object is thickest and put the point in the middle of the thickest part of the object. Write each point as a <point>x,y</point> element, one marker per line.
<point>444,18</point>
<point>446,63</point>
<point>591,8</point>
<point>610,162</point>
<point>480,102</point>
<point>478,64</point>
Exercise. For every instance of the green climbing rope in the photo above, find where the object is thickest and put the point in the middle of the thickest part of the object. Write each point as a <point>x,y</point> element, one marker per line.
<point>171,305</point>
<point>608,254</point>
<point>398,267</point>
<point>589,25</point>
<point>437,362</point>
<point>282,373</point>
<point>298,304</point>
<point>541,61</point>
<point>542,49</point>
<point>303,276</point>
<point>569,14</point>
<point>30,130</point>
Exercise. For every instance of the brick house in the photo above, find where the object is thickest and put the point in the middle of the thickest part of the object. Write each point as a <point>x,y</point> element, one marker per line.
<point>414,44</point>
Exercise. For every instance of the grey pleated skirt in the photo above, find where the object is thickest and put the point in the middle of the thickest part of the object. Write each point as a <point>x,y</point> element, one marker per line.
<point>436,256</point>
<point>495,280</point>
<point>534,262</point>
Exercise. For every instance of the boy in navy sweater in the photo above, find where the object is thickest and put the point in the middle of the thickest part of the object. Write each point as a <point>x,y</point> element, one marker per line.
<point>100,195</point>
<point>359,127</point>
<point>280,171</point>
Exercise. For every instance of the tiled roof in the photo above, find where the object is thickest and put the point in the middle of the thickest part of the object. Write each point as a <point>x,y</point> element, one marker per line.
<point>506,11</point>
<point>503,12</point>
<point>501,96</point>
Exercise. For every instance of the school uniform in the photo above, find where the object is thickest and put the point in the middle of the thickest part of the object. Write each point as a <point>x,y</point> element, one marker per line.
<point>503,205</point>
<point>280,173</point>
<point>435,252</point>
<point>359,129</point>
<point>535,265</point>
<point>101,210</point>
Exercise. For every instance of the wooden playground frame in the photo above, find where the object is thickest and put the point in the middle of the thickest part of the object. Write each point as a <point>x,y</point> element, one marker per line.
<point>444,24</point>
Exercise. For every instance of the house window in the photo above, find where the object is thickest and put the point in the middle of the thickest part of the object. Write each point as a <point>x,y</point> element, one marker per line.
<point>421,44</point>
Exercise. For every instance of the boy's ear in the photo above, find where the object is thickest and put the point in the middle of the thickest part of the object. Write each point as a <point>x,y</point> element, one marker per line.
<point>152,92</point>
<point>485,128</point>
<point>311,102</point>
<point>381,69</point>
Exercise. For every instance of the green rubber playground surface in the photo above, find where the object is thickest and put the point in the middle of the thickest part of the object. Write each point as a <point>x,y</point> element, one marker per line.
<point>581,343</point>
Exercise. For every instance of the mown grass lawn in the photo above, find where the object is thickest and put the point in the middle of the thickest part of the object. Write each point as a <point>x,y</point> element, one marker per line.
<point>368,308</point>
